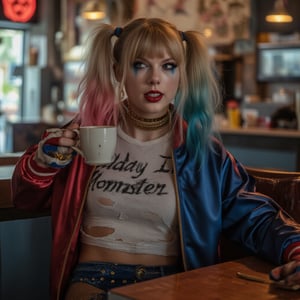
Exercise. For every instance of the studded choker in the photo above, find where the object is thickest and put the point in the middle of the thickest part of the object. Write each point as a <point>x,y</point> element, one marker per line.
<point>147,124</point>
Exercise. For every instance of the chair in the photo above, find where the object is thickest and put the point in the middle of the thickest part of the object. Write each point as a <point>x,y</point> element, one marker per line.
<point>283,187</point>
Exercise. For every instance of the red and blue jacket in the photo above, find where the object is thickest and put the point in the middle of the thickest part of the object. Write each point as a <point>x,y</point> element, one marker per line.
<point>216,198</point>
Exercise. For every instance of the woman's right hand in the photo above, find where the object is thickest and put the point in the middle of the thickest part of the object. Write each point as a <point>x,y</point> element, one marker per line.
<point>55,148</point>
<point>69,136</point>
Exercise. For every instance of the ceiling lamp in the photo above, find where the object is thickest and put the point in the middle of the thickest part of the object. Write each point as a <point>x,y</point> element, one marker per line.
<point>279,14</point>
<point>94,10</point>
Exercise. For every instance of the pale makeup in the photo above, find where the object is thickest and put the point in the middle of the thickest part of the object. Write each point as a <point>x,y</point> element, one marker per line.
<point>151,85</point>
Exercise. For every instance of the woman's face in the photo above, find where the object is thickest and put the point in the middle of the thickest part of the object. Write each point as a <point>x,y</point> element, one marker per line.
<point>151,85</point>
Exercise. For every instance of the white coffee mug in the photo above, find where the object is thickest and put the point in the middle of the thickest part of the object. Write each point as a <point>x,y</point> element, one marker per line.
<point>97,144</point>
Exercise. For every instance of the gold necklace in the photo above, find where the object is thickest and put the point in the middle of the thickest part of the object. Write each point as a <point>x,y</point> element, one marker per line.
<point>147,124</point>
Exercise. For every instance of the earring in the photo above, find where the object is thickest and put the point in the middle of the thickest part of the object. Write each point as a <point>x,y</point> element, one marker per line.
<point>123,94</point>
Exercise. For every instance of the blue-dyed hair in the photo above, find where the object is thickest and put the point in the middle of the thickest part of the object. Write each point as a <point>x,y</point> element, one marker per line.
<point>202,96</point>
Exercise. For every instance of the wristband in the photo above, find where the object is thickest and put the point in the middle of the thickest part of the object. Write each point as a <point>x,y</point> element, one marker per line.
<point>50,153</point>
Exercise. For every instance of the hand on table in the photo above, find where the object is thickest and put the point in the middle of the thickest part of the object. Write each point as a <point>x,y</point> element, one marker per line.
<point>289,273</point>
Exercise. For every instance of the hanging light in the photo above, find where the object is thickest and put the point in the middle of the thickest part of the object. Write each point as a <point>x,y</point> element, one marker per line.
<point>279,14</point>
<point>94,10</point>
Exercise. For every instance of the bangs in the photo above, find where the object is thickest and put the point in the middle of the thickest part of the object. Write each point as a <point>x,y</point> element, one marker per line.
<point>149,38</point>
<point>155,43</point>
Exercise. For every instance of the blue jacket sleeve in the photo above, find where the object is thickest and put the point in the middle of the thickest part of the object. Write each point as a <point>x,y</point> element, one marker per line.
<point>254,219</point>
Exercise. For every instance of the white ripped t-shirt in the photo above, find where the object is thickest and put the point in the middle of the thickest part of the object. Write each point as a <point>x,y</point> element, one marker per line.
<point>134,197</point>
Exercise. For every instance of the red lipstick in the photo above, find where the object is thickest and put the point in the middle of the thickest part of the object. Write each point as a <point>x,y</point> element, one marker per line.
<point>153,96</point>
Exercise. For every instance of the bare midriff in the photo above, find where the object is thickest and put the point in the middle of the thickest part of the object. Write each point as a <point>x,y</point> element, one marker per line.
<point>90,253</point>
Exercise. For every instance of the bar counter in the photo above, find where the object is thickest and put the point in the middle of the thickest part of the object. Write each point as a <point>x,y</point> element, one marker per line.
<point>258,131</point>
<point>263,147</point>
<point>25,243</point>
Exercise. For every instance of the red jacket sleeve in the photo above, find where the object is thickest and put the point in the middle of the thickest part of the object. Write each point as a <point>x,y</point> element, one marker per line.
<point>31,184</point>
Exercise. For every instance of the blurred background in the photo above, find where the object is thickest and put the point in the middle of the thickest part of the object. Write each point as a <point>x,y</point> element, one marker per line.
<point>257,58</point>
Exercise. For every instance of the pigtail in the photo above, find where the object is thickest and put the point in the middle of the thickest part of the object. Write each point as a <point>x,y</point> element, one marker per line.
<point>202,97</point>
<point>97,87</point>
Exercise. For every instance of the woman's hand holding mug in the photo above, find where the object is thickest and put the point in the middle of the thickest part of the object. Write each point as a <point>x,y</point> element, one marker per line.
<point>55,148</point>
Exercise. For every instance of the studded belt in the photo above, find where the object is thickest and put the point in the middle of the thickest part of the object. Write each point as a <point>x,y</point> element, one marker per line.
<point>106,276</point>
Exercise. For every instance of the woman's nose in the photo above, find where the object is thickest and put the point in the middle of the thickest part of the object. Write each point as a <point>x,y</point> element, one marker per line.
<point>154,78</point>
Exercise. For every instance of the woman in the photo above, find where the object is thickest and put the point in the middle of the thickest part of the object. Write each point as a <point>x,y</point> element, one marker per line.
<point>156,84</point>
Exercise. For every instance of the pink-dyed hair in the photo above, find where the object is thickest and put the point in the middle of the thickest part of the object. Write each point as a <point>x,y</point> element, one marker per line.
<point>97,88</point>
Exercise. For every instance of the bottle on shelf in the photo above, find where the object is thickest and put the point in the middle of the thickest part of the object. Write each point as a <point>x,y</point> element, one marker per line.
<point>233,114</point>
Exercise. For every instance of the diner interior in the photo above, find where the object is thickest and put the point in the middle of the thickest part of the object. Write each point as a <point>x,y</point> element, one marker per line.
<point>254,46</point>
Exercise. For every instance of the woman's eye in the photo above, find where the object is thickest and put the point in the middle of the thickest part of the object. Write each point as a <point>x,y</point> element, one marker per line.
<point>138,65</point>
<point>170,66</point>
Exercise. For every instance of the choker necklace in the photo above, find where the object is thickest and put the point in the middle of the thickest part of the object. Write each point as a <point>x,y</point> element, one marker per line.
<point>148,124</point>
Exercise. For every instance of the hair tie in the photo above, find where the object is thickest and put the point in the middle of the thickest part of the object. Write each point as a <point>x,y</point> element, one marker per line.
<point>118,31</point>
<point>183,36</point>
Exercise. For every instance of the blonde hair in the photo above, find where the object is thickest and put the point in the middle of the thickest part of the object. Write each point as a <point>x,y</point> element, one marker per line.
<point>113,50</point>
<point>149,37</point>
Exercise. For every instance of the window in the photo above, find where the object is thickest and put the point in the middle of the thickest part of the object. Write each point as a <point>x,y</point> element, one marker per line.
<point>278,62</point>
<point>11,77</point>
<point>11,71</point>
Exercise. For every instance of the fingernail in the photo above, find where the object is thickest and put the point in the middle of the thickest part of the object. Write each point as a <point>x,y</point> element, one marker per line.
<point>274,275</point>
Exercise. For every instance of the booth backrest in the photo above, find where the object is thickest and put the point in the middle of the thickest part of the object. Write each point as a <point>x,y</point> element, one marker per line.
<point>283,187</point>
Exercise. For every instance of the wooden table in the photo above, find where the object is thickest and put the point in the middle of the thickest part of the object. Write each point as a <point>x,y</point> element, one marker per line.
<point>209,283</point>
